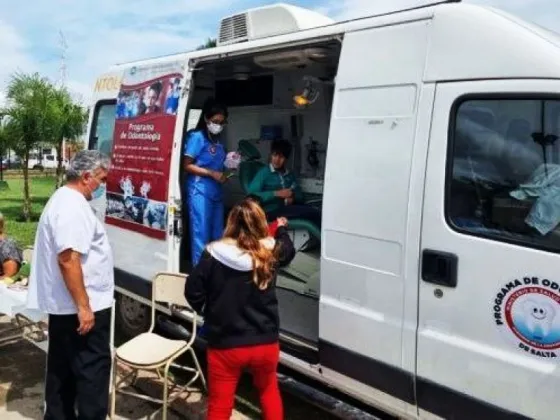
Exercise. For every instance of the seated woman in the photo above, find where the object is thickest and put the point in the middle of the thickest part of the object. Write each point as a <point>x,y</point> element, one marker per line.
<point>10,254</point>
<point>277,188</point>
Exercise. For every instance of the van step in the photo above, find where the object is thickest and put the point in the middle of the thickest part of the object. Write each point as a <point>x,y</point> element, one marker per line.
<point>298,389</point>
<point>322,400</point>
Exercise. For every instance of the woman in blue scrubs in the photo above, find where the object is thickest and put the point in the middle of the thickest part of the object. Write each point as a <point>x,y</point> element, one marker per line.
<point>203,162</point>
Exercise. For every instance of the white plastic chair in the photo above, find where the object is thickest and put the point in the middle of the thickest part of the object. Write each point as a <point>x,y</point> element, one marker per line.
<point>150,351</point>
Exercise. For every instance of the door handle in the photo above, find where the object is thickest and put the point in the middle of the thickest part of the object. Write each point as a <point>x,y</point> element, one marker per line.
<point>439,268</point>
<point>177,228</point>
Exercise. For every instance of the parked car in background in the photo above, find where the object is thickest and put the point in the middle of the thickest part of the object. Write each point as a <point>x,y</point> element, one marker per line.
<point>47,161</point>
<point>13,162</point>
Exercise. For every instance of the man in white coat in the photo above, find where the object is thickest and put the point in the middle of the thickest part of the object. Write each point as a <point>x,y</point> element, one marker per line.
<point>72,281</point>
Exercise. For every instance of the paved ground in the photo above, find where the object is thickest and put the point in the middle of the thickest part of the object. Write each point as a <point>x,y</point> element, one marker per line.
<point>22,368</point>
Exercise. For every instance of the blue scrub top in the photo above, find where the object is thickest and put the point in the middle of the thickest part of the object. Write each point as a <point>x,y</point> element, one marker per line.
<point>208,155</point>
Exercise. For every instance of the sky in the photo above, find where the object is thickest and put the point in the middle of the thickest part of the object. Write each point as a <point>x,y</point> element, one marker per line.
<point>99,33</point>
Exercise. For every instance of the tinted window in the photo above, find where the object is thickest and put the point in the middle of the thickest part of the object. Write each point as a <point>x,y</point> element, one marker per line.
<point>253,92</point>
<point>504,173</point>
<point>103,128</point>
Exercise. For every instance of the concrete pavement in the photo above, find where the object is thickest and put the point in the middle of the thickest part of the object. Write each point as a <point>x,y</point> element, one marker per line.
<point>22,369</point>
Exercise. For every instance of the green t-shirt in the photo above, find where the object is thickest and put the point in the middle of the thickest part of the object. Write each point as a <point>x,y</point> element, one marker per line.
<point>267,181</point>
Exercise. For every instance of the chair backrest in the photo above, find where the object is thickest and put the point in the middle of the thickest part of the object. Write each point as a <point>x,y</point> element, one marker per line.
<point>28,254</point>
<point>248,150</point>
<point>247,171</point>
<point>170,288</point>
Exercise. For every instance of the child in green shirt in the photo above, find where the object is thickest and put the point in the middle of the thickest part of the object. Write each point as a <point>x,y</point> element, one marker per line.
<point>278,190</point>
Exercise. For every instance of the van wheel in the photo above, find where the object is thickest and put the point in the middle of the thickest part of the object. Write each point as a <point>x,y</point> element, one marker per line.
<point>132,318</point>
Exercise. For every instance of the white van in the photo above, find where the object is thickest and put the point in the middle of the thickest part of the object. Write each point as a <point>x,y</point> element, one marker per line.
<point>45,158</point>
<point>433,135</point>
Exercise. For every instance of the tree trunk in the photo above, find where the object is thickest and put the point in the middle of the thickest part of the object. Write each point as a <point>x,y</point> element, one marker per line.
<point>26,211</point>
<point>59,168</point>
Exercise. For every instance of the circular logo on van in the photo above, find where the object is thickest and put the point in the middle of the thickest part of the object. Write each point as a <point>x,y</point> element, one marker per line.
<point>528,313</point>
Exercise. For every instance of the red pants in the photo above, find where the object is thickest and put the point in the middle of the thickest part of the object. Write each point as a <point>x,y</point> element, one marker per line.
<point>224,370</point>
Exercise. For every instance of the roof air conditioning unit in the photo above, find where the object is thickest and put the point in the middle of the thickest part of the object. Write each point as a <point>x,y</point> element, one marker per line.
<point>266,21</point>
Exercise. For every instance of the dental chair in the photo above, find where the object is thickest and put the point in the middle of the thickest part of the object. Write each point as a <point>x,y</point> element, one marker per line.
<point>303,273</point>
<point>306,235</point>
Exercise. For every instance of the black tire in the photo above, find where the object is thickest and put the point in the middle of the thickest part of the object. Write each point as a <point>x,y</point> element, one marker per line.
<point>132,318</point>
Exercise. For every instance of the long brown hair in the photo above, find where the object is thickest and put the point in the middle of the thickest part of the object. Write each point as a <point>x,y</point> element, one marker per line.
<point>247,226</point>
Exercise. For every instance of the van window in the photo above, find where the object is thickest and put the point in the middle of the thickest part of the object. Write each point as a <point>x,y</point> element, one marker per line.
<point>50,158</point>
<point>103,127</point>
<point>503,179</point>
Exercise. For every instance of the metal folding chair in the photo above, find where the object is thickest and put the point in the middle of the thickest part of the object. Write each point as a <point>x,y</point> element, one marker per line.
<point>150,351</point>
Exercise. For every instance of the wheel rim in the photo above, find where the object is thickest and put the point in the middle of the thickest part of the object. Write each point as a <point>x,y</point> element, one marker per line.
<point>133,312</point>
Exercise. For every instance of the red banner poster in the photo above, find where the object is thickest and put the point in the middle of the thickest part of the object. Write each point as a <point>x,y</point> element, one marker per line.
<point>138,181</point>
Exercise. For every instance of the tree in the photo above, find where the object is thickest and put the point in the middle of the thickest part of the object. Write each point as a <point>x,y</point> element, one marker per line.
<point>69,121</point>
<point>4,147</point>
<point>29,121</point>
<point>210,43</point>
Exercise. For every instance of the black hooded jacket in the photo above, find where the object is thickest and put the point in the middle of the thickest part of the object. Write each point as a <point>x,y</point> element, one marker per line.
<point>221,288</point>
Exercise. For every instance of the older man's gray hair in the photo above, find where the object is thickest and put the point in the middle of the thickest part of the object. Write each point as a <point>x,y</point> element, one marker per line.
<point>86,161</point>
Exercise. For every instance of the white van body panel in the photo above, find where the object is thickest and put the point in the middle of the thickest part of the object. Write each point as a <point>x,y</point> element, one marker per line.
<point>474,43</point>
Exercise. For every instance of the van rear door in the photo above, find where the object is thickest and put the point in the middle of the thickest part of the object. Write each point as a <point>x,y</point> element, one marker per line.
<point>489,306</point>
<point>138,185</point>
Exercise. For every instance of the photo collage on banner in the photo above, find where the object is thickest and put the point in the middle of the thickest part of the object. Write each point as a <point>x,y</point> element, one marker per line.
<point>146,113</point>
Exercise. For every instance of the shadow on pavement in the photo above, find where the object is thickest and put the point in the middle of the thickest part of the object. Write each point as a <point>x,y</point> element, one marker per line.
<point>22,368</point>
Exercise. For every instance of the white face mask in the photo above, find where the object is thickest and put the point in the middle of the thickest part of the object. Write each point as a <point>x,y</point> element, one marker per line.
<point>214,128</point>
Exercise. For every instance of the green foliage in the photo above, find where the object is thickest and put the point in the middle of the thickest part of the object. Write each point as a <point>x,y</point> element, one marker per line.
<point>37,113</point>
<point>210,43</point>
<point>68,123</point>
<point>11,201</point>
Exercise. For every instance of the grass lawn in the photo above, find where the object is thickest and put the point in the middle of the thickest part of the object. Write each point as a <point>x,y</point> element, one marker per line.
<point>11,203</point>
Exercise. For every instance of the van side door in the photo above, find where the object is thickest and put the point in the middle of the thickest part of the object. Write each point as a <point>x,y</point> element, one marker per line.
<point>367,312</point>
<point>489,304</point>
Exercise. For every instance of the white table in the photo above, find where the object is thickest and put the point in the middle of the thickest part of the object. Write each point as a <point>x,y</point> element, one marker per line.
<point>30,323</point>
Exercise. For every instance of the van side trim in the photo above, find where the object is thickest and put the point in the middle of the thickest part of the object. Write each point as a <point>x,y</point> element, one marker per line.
<point>448,403</point>
<point>429,396</point>
<point>378,375</point>
<point>134,284</point>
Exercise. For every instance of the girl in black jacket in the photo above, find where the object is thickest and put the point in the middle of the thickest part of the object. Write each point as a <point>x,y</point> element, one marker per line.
<point>233,285</point>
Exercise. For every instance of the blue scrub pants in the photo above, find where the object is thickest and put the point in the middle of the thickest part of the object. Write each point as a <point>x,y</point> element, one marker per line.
<point>206,219</point>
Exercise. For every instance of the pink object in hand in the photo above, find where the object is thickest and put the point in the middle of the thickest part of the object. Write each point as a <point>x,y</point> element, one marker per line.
<point>233,159</point>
